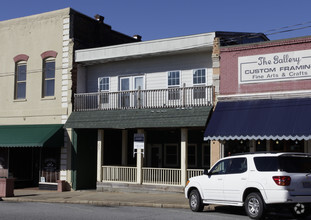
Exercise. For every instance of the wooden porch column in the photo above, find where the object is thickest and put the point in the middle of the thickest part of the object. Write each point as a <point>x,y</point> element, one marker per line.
<point>268,145</point>
<point>184,156</point>
<point>307,146</point>
<point>252,146</point>
<point>124,147</point>
<point>215,152</point>
<point>100,154</point>
<point>139,161</point>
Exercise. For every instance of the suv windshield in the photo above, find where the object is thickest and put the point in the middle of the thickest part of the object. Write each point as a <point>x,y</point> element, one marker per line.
<point>287,163</point>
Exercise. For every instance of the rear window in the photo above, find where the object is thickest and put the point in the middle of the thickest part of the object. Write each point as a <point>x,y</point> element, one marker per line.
<point>297,164</point>
<point>266,163</point>
<point>290,164</point>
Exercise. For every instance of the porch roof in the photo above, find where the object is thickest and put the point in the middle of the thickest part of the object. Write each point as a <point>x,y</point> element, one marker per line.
<point>140,118</point>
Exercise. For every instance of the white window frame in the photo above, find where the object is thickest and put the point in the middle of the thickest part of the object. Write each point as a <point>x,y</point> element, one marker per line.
<point>177,85</point>
<point>205,76</point>
<point>195,156</point>
<point>98,84</point>
<point>166,163</point>
<point>45,79</point>
<point>144,82</point>
<point>174,95</point>
<point>199,93</point>
<point>17,82</point>
<point>104,96</point>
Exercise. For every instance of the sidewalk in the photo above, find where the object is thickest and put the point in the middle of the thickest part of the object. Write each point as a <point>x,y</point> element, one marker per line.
<point>92,197</point>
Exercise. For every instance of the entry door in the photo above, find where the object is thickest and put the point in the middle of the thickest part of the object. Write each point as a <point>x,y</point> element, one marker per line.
<point>138,84</point>
<point>127,84</point>
<point>125,97</point>
<point>155,155</point>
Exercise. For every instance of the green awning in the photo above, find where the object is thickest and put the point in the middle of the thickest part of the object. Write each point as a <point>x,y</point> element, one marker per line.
<point>140,118</point>
<point>32,135</point>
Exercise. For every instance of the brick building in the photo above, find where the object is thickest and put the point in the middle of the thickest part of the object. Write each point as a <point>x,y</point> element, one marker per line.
<point>265,98</point>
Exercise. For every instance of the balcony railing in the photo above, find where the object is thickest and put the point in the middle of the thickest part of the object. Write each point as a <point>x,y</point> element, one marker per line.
<point>136,99</point>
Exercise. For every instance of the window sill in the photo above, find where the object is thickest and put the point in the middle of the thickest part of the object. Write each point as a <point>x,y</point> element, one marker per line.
<point>48,98</point>
<point>20,100</point>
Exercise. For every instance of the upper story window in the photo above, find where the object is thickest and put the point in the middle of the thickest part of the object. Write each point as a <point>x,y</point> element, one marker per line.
<point>199,76</point>
<point>173,78</point>
<point>173,81</point>
<point>103,84</point>
<point>199,79</point>
<point>20,76</point>
<point>20,80</point>
<point>48,77</point>
<point>48,73</point>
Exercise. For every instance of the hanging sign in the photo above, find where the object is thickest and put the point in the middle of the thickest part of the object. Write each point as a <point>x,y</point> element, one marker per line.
<point>139,141</point>
<point>293,65</point>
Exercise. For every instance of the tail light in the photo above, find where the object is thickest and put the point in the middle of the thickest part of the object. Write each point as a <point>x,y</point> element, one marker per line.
<point>282,180</point>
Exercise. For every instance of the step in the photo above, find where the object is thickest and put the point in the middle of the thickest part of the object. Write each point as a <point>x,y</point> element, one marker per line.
<point>137,188</point>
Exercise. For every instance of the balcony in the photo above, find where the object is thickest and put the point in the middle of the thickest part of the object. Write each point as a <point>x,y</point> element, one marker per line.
<point>139,99</point>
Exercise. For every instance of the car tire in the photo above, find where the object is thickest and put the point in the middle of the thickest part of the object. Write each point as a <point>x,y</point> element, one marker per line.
<point>195,201</point>
<point>254,206</point>
<point>300,210</point>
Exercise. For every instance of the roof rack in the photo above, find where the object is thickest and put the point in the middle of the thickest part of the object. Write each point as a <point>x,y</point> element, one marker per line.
<point>257,152</point>
<point>268,152</point>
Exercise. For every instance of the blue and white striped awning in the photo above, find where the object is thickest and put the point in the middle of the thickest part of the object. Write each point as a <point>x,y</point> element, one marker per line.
<point>274,119</point>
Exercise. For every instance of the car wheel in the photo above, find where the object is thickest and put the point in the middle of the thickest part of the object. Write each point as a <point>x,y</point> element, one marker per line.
<point>300,210</point>
<point>254,206</point>
<point>195,201</point>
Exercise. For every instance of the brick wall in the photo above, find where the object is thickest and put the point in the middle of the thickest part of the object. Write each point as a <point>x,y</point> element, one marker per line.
<point>229,66</point>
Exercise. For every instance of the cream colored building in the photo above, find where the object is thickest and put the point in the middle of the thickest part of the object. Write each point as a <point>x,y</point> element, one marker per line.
<point>37,82</point>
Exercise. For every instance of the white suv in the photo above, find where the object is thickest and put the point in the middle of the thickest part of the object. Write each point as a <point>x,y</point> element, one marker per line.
<point>256,181</point>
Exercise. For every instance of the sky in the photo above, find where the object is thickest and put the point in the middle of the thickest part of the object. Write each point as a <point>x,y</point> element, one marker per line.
<point>158,19</point>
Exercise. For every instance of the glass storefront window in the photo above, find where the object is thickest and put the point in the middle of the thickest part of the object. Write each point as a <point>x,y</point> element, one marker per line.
<point>287,146</point>
<point>236,146</point>
<point>261,145</point>
<point>3,158</point>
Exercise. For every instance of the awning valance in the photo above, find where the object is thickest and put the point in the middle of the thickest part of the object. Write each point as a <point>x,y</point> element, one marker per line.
<point>32,135</point>
<point>288,119</point>
<point>140,118</point>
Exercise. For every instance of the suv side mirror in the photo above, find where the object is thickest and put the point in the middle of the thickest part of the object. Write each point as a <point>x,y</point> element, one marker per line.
<point>206,172</point>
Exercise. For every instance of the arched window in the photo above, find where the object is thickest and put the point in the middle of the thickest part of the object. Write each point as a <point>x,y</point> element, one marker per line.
<point>20,76</point>
<point>48,77</point>
<point>48,73</point>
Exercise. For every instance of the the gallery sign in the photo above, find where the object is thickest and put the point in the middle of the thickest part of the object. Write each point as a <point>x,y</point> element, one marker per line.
<point>294,65</point>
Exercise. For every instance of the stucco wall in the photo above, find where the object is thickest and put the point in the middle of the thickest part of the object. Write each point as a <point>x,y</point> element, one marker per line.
<point>229,67</point>
<point>32,36</point>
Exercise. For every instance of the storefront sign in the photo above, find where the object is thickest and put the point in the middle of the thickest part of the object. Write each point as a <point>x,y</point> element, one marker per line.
<point>139,141</point>
<point>295,65</point>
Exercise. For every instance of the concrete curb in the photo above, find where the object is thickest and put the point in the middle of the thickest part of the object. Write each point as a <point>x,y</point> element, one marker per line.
<point>98,203</point>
